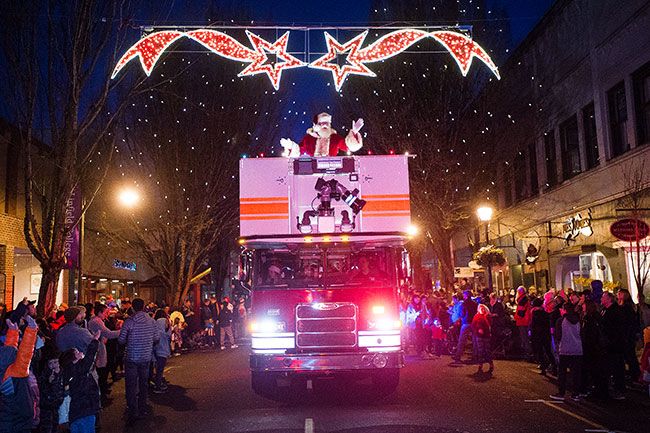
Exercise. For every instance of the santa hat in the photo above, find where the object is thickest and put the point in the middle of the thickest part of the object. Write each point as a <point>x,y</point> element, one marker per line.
<point>322,117</point>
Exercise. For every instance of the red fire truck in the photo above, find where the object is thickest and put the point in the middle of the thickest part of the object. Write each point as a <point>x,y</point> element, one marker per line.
<point>323,240</point>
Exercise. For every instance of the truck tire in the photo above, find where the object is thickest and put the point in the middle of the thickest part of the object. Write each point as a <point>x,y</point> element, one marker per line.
<point>386,381</point>
<point>264,384</point>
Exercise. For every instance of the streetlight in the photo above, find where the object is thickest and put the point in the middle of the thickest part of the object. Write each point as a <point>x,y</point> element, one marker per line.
<point>484,214</point>
<point>128,197</point>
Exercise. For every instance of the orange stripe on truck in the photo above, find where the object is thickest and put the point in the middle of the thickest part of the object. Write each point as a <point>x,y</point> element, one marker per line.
<point>264,217</point>
<point>403,196</point>
<point>264,208</point>
<point>386,205</point>
<point>258,199</point>
<point>386,214</point>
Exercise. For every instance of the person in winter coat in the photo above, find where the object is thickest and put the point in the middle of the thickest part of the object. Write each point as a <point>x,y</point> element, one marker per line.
<point>225,324</point>
<point>17,403</point>
<point>162,349</point>
<point>482,330</point>
<point>540,335</point>
<point>81,386</point>
<point>139,333</point>
<point>97,323</point>
<point>416,321</point>
<point>72,334</point>
<point>522,320</point>
<point>208,324</point>
<point>467,311</point>
<point>567,333</point>
<point>630,329</point>
<point>595,368</point>
<point>50,383</point>
<point>613,330</point>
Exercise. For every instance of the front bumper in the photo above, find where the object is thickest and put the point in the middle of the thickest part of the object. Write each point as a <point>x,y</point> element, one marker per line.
<point>305,362</point>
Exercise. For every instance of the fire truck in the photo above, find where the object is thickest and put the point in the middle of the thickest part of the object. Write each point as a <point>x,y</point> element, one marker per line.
<point>323,246</point>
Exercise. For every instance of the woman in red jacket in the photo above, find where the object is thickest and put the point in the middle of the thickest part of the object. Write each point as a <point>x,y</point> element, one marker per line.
<point>522,320</point>
<point>482,330</point>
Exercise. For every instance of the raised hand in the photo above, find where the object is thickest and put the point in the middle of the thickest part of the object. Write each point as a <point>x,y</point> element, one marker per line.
<point>357,125</point>
<point>31,323</point>
<point>12,325</point>
<point>97,334</point>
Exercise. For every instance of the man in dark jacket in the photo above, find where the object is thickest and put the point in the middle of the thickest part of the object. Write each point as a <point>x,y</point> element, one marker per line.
<point>139,333</point>
<point>612,326</point>
<point>225,324</point>
<point>467,312</point>
<point>72,334</point>
<point>540,335</point>
<point>630,330</point>
<point>81,386</point>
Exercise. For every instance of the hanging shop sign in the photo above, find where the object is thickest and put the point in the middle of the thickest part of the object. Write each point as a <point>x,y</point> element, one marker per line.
<point>575,226</point>
<point>630,230</point>
<point>461,47</point>
<point>72,217</point>
<point>121,264</point>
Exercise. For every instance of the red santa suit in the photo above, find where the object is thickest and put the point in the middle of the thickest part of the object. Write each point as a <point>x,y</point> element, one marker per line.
<point>322,140</point>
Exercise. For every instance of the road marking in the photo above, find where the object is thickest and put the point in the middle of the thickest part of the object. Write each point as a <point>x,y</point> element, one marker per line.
<point>309,425</point>
<point>554,405</point>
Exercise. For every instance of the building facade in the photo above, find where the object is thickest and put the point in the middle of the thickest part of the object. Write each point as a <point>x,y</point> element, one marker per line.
<point>574,143</point>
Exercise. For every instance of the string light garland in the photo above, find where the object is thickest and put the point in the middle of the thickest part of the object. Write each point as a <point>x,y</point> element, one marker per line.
<point>461,47</point>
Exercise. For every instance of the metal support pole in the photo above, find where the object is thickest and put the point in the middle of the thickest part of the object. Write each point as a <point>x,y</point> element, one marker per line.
<point>489,266</point>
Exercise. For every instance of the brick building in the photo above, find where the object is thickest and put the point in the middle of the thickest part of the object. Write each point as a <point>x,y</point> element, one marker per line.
<point>578,92</point>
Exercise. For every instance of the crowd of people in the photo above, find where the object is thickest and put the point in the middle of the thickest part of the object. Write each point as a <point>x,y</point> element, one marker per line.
<point>55,370</point>
<point>589,339</point>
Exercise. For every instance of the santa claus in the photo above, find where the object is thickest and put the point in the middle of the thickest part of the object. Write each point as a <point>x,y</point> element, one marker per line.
<point>322,140</point>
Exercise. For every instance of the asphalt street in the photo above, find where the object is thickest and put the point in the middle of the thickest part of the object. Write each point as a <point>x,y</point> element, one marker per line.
<point>210,392</point>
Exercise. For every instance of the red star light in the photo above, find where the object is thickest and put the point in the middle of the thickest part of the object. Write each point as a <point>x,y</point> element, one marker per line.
<point>273,71</point>
<point>463,49</point>
<point>354,65</point>
<point>149,50</point>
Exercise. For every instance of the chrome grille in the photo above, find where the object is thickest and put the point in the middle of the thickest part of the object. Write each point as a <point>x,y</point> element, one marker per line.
<point>326,325</point>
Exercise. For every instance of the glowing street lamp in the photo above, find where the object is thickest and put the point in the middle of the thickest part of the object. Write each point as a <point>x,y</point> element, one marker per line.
<point>484,214</point>
<point>128,197</point>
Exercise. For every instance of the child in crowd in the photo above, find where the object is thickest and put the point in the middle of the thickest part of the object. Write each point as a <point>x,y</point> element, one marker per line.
<point>177,336</point>
<point>81,386</point>
<point>51,389</point>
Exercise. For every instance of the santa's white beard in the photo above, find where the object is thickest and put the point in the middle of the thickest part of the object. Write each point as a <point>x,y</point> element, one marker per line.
<point>323,131</point>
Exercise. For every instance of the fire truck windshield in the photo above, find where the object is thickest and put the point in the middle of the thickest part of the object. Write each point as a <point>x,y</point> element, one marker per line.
<point>335,267</point>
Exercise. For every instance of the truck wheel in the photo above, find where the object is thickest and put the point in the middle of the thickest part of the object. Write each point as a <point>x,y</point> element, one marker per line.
<point>386,381</point>
<point>264,384</point>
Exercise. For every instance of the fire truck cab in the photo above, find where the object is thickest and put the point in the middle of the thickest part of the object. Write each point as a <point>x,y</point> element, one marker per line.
<point>323,246</point>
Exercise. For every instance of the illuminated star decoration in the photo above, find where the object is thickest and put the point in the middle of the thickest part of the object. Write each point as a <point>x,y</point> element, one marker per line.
<point>354,65</point>
<point>463,50</point>
<point>461,47</point>
<point>273,71</point>
<point>148,50</point>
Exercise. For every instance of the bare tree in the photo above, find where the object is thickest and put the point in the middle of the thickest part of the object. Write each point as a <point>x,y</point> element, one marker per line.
<point>636,189</point>
<point>182,144</point>
<point>58,57</point>
<point>422,105</point>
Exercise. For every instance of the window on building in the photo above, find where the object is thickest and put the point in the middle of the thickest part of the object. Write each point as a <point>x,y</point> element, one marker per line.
<point>642,102</point>
<point>520,176</point>
<point>591,139</point>
<point>532,169</point>
<point>551,161</point>
<point>618,119</point>
<point>570,148</point>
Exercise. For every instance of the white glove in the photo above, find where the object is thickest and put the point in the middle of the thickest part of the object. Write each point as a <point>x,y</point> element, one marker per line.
<point>286,143</point>
<point>290,148</point>
<point>357,125</point>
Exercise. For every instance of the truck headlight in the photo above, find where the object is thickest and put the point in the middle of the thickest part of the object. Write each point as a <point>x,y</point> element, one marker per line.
<point>267,326</point>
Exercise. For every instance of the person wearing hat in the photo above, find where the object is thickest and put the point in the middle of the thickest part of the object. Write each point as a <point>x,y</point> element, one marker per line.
<point>322,140</point>
<point>72,334</point>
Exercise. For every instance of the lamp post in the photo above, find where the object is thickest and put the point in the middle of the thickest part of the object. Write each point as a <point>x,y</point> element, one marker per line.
<point>484,214</point>
<point>128,197</point>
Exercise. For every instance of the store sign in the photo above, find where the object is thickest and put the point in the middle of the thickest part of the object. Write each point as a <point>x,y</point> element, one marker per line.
<point>121,264</point>
<point>463,272</point>
<point>630,230</point>
<point>575,226</point>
